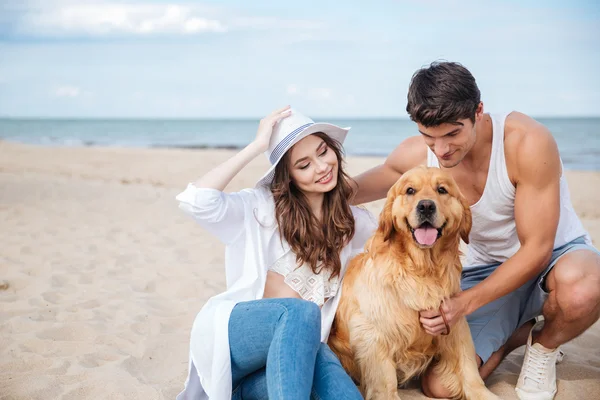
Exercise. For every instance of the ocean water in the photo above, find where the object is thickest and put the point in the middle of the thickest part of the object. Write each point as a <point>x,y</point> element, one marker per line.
<point>578,138</point>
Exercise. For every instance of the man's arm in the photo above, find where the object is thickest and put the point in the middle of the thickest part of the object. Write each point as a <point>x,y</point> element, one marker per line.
<point>375,183</point>
<point>537,210</point>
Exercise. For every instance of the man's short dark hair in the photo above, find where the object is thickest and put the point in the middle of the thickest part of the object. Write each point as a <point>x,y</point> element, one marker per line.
<point>443,92</point>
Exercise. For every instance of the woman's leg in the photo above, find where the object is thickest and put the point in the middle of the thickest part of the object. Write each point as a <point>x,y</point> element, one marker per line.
<point>281,334</point>
<point>331,380</point>
<point>252,387</point>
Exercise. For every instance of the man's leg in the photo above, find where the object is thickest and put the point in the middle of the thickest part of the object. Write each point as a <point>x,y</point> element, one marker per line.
<point>518,339</point>
<point>571,304</point>
<point>572,287</point>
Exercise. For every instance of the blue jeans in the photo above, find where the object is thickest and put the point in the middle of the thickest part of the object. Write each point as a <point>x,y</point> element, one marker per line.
<point>276,353</point>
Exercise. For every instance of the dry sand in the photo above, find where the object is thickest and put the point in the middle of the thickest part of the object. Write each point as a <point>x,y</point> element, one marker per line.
<point>101,275</point>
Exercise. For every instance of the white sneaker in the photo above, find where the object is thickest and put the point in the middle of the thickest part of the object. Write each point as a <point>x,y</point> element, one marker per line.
<point>537,380</point>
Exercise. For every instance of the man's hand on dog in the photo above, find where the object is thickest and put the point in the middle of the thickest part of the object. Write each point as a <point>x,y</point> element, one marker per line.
<point>455,308</point>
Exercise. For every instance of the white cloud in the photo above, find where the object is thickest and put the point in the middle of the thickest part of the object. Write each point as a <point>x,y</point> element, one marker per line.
<point>275,23</point>
<point>67,91</point>
<point>104,19</point>
<point>71,91</point>
<point>63,18</point>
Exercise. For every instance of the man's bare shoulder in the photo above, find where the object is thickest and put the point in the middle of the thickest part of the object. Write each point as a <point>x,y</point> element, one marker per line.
<point>521,129</point>
<point>528,144</point>
<point>410,153</point>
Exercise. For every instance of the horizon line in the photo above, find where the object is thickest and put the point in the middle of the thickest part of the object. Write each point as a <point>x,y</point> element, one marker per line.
<point>241,118</point>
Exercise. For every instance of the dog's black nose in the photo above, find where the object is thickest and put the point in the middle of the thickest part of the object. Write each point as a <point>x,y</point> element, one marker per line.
<point>426,208</point>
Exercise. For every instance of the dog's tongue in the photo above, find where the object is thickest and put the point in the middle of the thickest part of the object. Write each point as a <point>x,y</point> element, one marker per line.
<point>426,236</point>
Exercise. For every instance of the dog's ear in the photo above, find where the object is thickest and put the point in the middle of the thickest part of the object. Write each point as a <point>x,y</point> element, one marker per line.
<point>467,220</point>
<point>386,220</point>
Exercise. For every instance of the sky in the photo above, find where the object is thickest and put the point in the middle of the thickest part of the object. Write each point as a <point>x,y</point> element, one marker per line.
<point>221,59</point>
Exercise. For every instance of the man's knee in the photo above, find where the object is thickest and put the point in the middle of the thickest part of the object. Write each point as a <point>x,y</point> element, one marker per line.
<point>577,290</point>
<point>581,302</point>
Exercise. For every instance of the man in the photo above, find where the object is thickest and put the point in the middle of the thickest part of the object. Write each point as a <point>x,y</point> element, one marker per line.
<point>528,255</point>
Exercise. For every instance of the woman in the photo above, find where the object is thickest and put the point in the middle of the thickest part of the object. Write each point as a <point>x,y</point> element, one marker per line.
<point>287,243</point>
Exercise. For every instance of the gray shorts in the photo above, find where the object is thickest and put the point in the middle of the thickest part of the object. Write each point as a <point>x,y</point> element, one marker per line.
<point>494,323</point>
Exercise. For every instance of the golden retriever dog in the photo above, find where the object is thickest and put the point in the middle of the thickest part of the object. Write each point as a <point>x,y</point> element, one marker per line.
<point>410,264</point>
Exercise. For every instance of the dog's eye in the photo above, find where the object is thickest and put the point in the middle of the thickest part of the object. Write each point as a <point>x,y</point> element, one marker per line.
<point>410,191</point>
<point>442,190</point>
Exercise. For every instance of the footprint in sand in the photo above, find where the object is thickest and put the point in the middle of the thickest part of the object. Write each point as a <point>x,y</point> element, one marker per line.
<point>145,328</point>
<point>45,314</point>
<point>98,359</point>
<point>36,302</point>
<point>60,369</point>
<point>83,306</point>
<point>59,281</point>
<point>26,250</point>
<point>86,279</point>
<point>72,331</point>
<point>90,304</point>
<point>52,297</point>
<point>143,287</point>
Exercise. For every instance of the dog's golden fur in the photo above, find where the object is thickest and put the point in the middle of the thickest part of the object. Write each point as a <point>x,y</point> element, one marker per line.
<point>377,334</point>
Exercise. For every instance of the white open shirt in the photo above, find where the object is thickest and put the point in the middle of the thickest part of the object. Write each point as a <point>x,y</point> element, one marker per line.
<point>245,222</point>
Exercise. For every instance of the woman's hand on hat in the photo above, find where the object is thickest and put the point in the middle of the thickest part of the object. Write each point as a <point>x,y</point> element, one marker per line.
<point>220,176</point>
<point>265,128</point>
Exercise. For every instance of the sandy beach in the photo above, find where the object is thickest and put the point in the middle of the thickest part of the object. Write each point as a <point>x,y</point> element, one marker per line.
<point>101,275</point>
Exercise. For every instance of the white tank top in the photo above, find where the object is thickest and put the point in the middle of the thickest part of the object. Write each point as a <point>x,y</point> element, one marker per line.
<point>493,238</point>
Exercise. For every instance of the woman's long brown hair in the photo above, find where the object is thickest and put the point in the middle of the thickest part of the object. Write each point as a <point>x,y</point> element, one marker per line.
<point>315,242</point>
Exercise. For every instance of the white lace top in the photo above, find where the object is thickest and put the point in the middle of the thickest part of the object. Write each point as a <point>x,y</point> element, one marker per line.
<point>310,286</point>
